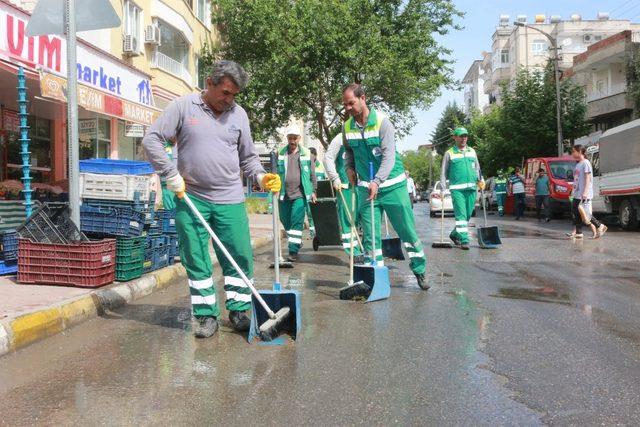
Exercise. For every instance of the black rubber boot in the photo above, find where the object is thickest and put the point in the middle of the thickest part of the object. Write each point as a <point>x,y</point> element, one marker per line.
<point>422,282</point>
<point>239,321</point>
<point>205,327</point>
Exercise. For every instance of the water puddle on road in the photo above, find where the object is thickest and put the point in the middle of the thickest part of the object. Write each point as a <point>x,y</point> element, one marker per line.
<point>541,294</point>
<point>530,234</point>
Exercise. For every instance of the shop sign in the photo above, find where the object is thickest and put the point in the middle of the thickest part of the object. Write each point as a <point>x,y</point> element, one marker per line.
<point>95,69</point>
<point>53,86</point>
<point>87,128</point>
<point>10,121</point>
<point>134,130</point>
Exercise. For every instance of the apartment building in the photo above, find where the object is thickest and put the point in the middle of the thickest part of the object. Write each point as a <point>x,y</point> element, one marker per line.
<point>473,81</point>
<point>602,71</point>
<point>517,46</point>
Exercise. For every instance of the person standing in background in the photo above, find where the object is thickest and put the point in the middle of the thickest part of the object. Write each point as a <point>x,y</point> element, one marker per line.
<point>516,186</point>
<point>543,189</point>
<point>411,188</point>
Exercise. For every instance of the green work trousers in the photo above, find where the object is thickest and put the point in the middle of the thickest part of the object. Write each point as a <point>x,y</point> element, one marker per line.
<point>345,224</point>
<point>231,225</point>
<point>464,202</point>
<point>292,217</point>
<point>500,199</point>
<point>395,202</point>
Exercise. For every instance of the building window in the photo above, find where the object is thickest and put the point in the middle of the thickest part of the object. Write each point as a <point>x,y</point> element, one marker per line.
<point>539,47</point>
<point>504,56</point>
<point>132,19</point>
<point>202,10</point>
<point>201,74</point>
<point>173,54</point>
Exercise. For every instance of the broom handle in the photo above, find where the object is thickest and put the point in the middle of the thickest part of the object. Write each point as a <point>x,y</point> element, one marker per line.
<point>373,221</point>
<point>484,209</point>
<point>349,217</point>
<point>386,223</point>
<point>442,216</point>
<point>276,240</point>
<point>226,253</point>
<point>353,199</point>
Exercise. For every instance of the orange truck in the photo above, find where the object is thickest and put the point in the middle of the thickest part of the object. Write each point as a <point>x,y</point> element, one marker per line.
<point>561,185</point>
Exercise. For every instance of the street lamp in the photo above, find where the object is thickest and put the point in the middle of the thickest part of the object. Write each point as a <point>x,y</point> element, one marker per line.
<point>556,72</point>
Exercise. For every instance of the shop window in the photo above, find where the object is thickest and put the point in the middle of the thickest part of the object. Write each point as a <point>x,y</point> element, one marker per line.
<point>129,148</point>
<point>39,146</point>
<point>132,19</point>
<point>95,138</point>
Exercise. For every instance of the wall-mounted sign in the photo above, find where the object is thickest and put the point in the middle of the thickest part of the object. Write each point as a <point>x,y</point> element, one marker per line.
<point>53,86</point>
<point>95,69</point>
<point>134,130</point>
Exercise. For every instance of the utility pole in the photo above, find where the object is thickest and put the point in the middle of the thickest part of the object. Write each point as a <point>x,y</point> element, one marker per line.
<point>556,72</point>
<point>72,112</point>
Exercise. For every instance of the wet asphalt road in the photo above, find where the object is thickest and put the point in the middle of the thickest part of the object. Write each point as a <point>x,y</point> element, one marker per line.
<point>542,331</point>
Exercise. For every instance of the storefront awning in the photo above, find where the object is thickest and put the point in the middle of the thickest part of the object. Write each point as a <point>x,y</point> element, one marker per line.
<point>55,87</point>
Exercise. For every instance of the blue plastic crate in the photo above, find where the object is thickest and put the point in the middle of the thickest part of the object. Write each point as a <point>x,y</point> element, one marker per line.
<point>9,245</point>
<point>146,210</point>
<point>8,267</point>
<point>174,248</point>
<point>156,241</point>
<point>116,167</point>
<point>110,222</point>
<point>157,258</point>
<point>167,218</point>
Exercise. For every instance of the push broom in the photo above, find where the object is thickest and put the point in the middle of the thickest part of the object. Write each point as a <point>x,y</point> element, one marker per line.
<point>268,329</point>
<point>357,290</point>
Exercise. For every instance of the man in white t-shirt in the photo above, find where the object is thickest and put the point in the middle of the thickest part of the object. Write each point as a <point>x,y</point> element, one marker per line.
<point>411,188</point>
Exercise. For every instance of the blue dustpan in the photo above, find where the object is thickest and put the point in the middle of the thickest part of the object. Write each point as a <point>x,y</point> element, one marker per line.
<point>377,277</point>
<point>276,299</point>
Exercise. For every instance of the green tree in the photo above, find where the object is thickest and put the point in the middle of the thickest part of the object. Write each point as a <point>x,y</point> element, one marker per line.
<point>301,53</point>
<point>451,118</point>
<point>423,167</point>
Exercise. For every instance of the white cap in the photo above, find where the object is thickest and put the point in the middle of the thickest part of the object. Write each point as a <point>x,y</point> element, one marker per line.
<point>293,131</point>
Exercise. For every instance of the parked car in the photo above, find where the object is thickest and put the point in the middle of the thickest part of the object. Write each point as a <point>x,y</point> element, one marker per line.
<point>560,173</point>
<point>436,200</point>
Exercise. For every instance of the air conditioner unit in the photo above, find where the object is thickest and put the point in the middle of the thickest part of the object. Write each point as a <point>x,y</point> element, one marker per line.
<point>587,38</point>
<point>152,35</point>
<point>130,45</point>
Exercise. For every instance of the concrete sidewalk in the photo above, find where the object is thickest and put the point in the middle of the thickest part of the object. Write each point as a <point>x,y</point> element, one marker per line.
<point>29,313</point>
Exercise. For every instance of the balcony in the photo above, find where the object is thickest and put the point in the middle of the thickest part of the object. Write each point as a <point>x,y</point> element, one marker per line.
<point>615,89</point>
<point>171,66</point>
<point>612,101</point>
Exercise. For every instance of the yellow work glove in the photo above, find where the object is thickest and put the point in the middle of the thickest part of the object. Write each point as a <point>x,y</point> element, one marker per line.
<point>177,185</point>
<point>271,182</point>
<point>481,185</point>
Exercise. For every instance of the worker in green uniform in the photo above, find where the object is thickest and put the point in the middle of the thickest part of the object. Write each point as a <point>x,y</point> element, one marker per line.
<point>501,191</point>
<point>461,168</point>
<point>337,174</point>
<point>215,146</point>
<point>369,139</point>
<point>297,173</point>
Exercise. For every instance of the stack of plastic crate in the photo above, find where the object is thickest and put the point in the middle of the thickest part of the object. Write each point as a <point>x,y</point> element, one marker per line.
<point>8,252</point>
<point>117,197</point>
<point>167,222</point>
<point>129,257</point>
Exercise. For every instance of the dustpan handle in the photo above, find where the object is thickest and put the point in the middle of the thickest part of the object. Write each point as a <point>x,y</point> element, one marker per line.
<point>484,209</point>
<point>276,239</point>
<point>226,253</point>
<point>373,220</point>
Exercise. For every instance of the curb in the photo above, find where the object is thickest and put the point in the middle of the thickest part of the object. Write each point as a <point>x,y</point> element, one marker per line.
<point>21,331</point>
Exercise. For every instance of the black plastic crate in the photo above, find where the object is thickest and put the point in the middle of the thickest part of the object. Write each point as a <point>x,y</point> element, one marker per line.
<point>51,223</point>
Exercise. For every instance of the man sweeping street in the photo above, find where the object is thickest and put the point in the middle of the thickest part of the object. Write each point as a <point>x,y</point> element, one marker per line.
<point>337,173</point>
<point>214,141</point>
<point>297,170</point>
<point>461,168</point>
<point>369,139</point>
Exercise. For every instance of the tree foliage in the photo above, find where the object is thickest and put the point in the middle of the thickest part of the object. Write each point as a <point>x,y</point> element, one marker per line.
<point>451,118</point>
<point>423,167</point>
<point>300,53</point>
<point>633,78</point>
